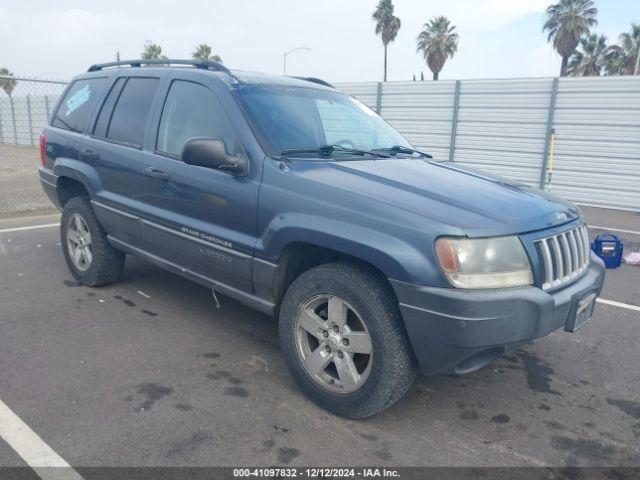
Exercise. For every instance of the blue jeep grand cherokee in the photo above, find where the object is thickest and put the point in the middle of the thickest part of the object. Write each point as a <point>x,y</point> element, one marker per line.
<point>301,202</point>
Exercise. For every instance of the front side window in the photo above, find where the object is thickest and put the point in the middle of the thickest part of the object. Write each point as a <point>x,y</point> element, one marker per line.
<point>192,110</point>
<point>294,117</point>
<point>131,111</point>
<point>76,106</point>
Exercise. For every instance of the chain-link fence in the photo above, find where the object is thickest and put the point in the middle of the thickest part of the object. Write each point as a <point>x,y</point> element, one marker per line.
<point>25,106</point>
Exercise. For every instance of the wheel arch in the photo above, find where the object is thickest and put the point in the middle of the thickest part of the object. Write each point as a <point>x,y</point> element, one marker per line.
<point>295,242</point>
<point>75,178</point>
<point>68,187</point>
<point>298,257</point>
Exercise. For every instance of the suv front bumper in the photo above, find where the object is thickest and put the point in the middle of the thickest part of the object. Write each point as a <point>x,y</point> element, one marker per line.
<point>459,331</point>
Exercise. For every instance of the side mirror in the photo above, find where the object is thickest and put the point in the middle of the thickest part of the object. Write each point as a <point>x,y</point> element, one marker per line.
<point>212,153</point>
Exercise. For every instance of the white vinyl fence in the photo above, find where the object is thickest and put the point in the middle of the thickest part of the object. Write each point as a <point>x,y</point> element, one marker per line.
<point>504,127</point>
<point>499,126</point>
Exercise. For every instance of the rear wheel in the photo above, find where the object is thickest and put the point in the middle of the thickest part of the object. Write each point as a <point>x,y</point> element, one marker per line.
<point>343,339</point>
<point>90,257</point>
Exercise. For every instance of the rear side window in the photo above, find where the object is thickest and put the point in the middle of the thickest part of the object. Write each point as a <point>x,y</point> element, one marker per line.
<point>104,117</point>
<point>76,106</point>
<point>130,113</point>
<point>192,110</point>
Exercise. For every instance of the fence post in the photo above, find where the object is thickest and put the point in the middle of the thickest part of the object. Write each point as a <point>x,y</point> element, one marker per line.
<point>454,120</point>
<point>547,139</point>
<point>46,108</point>
<point>1,129</point>
<point>29,120</point>
<point>379,98</point>
<point>13,120</point>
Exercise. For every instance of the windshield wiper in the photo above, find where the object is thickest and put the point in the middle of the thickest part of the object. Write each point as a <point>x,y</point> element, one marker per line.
<point>72,128</point>
<point>328,150</point>
<point>396,149</point>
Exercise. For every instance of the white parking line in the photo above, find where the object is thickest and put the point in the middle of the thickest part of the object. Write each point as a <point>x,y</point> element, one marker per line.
<point>47,464</point>
<point>32,227</point>
<point>618,304</point>
<point>632,232</point>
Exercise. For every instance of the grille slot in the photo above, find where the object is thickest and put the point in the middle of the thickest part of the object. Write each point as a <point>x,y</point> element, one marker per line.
<point>564,256</point>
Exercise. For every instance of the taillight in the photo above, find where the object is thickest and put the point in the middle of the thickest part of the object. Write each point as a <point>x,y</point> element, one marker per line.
<point>43,149</point>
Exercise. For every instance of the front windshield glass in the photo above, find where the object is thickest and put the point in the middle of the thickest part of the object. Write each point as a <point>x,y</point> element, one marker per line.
<point>294,117</point>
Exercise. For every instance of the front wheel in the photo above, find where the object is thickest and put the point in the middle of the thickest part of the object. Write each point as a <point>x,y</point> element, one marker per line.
<point>344,341</point>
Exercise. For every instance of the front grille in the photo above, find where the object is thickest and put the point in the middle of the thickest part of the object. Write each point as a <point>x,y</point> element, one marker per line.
<point>564,256</point>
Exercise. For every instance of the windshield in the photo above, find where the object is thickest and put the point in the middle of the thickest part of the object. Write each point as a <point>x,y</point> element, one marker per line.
<point>293,118</point>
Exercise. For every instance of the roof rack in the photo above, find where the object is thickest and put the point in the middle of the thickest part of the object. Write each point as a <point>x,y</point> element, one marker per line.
<point>203,64</point>
<point>319,81</point>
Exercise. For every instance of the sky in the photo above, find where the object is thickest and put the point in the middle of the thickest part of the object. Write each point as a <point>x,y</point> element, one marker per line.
<point>498,38</point>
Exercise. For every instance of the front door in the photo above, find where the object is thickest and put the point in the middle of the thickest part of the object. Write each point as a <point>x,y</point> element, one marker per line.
<point>201,219</point>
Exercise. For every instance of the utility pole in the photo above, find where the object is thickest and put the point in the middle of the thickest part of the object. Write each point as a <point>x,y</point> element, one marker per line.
<point>284,57</point>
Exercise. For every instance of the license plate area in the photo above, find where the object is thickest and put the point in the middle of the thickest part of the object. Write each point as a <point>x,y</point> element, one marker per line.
<point>583,312</point>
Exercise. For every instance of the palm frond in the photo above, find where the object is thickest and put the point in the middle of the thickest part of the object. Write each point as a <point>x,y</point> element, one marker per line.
<point>567,21</point>
<point>387,24</point>
<point>437,42</point>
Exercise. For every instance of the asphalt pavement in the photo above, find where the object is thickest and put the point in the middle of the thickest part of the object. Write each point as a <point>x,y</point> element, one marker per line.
<point>147,372</point>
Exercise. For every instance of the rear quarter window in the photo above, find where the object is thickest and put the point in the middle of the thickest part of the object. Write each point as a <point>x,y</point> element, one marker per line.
<point>104,117</point>
<point>75,108</point>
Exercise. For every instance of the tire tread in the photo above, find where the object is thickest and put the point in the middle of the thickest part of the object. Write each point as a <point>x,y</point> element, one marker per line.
<point>398,361</point>
<point>107,262</point>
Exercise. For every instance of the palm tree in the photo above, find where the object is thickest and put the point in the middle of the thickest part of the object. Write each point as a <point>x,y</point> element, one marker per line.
<point>152,51</point>
<point>203,52</point>
<point>630,43</point>
<point>614,60</point>
<point>589,60</point>
<point>437,42</point>
<point>568,21</point>
<point>387,26</point>
<point>622,59</point>
<point>7,84</point>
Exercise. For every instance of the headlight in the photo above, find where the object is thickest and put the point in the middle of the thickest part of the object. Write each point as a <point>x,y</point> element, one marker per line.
<point>484,262</point>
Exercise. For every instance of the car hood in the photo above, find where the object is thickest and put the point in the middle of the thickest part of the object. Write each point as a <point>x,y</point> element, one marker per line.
<point>470,202</point>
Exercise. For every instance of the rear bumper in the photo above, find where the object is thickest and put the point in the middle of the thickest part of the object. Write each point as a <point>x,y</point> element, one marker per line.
<point>49,183</point>
<point>458,331</point>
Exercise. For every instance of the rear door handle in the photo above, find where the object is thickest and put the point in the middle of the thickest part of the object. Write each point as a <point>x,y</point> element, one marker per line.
<point>89,155</point>
<point>154,172</point>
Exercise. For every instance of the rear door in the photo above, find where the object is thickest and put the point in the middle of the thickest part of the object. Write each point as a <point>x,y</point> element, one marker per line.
<point>199,218</point>
<point>115,151</point>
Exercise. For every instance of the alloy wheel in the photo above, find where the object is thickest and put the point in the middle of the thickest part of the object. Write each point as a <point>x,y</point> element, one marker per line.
<point>333,344</point>
<point>79,242</point>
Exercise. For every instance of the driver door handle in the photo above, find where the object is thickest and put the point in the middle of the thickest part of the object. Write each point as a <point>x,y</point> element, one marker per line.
<point>154,172</point>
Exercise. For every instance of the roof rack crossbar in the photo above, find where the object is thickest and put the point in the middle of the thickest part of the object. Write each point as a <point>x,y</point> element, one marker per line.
<point>204,64</point>
<point>319,81</point>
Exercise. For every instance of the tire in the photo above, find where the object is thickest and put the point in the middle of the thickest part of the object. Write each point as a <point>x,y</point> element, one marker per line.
<point>103,263</point>
<point>384,375</point>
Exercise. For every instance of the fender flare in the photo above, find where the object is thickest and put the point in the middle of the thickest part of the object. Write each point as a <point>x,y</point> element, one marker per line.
<point>394,257</point>
<point>79,171</point>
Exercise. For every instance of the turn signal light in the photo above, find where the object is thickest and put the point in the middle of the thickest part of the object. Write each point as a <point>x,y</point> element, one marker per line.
<point>446,255</point>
